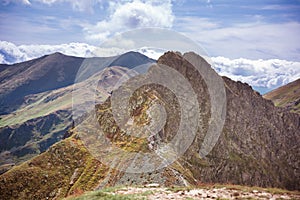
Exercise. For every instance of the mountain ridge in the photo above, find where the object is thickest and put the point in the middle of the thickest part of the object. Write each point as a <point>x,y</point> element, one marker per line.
<point>51,72</point>
<point>258,146</point>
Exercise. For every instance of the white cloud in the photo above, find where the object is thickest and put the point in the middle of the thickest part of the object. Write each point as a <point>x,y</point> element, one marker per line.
<point>76,49</point>
<point>2,59</point>
<point>258,73</point>
<point>153,53</point>
<point>10,53</point>
<point>122,15</point>
<point>130,14</point>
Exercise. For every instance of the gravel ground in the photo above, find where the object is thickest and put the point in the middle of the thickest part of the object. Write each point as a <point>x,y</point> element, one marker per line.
<point>154,192</point>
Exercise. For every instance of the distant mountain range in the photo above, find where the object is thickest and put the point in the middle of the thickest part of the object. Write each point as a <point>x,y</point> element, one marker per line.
<point>259,144</point>
<point>263,75</point>
<point>36,100</point>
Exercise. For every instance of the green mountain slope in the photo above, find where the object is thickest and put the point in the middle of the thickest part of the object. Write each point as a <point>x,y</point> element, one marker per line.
<point>37,99</point>
<point>287,97</point>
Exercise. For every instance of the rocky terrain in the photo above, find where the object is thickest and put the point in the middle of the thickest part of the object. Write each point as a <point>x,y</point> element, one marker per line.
<point>287,97</point>
<point>258,146</point>
<point>153,191</point>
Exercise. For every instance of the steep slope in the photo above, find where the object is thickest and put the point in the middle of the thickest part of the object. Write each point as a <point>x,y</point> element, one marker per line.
<point>45,103</point>
<point>46,119</point>
<point>40,94</point>
<point>21,142</point>
<point>52,72</point>
<point>259,145</point>
<point>40,75</point>
<point>287,97</point>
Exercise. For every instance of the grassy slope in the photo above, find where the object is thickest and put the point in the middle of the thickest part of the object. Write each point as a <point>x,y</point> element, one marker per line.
<point>37,109</point>
<point>42,104</point>
<point>66,167</point>
<point>286,96</point>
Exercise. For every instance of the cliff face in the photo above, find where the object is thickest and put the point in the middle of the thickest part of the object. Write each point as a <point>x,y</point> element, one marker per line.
<point>258,145</point>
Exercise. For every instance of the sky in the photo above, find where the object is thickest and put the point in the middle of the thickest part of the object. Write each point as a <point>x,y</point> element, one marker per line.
<point>253,41</point>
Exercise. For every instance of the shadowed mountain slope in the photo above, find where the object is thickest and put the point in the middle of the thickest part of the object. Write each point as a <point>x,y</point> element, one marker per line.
<point>32,77</point>
<point>52,72</point>
<point>37,99</point>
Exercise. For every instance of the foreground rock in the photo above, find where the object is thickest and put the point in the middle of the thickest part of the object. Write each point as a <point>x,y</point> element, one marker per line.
<point>204,192</point>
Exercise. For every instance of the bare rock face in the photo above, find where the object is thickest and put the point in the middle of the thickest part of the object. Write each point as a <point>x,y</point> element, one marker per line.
<point>258,145</point>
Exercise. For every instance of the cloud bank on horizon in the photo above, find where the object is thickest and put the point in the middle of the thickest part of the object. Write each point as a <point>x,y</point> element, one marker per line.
<point>263,75</point>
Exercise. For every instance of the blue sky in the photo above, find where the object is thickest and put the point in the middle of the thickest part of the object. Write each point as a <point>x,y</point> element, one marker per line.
<point>236,28</point>
<point>255,41</point>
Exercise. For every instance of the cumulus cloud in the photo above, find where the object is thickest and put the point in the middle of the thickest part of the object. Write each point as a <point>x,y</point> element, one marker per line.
<point>264,74</point>
<point>126,15</point>
<point>2,59</point>
<point>258,73</point>
<point>122,15</point>
<point>153,53</point>
<point>11,53</point>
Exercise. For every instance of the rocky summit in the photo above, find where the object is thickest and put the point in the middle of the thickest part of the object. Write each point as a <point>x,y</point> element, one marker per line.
<point>258,144</point>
